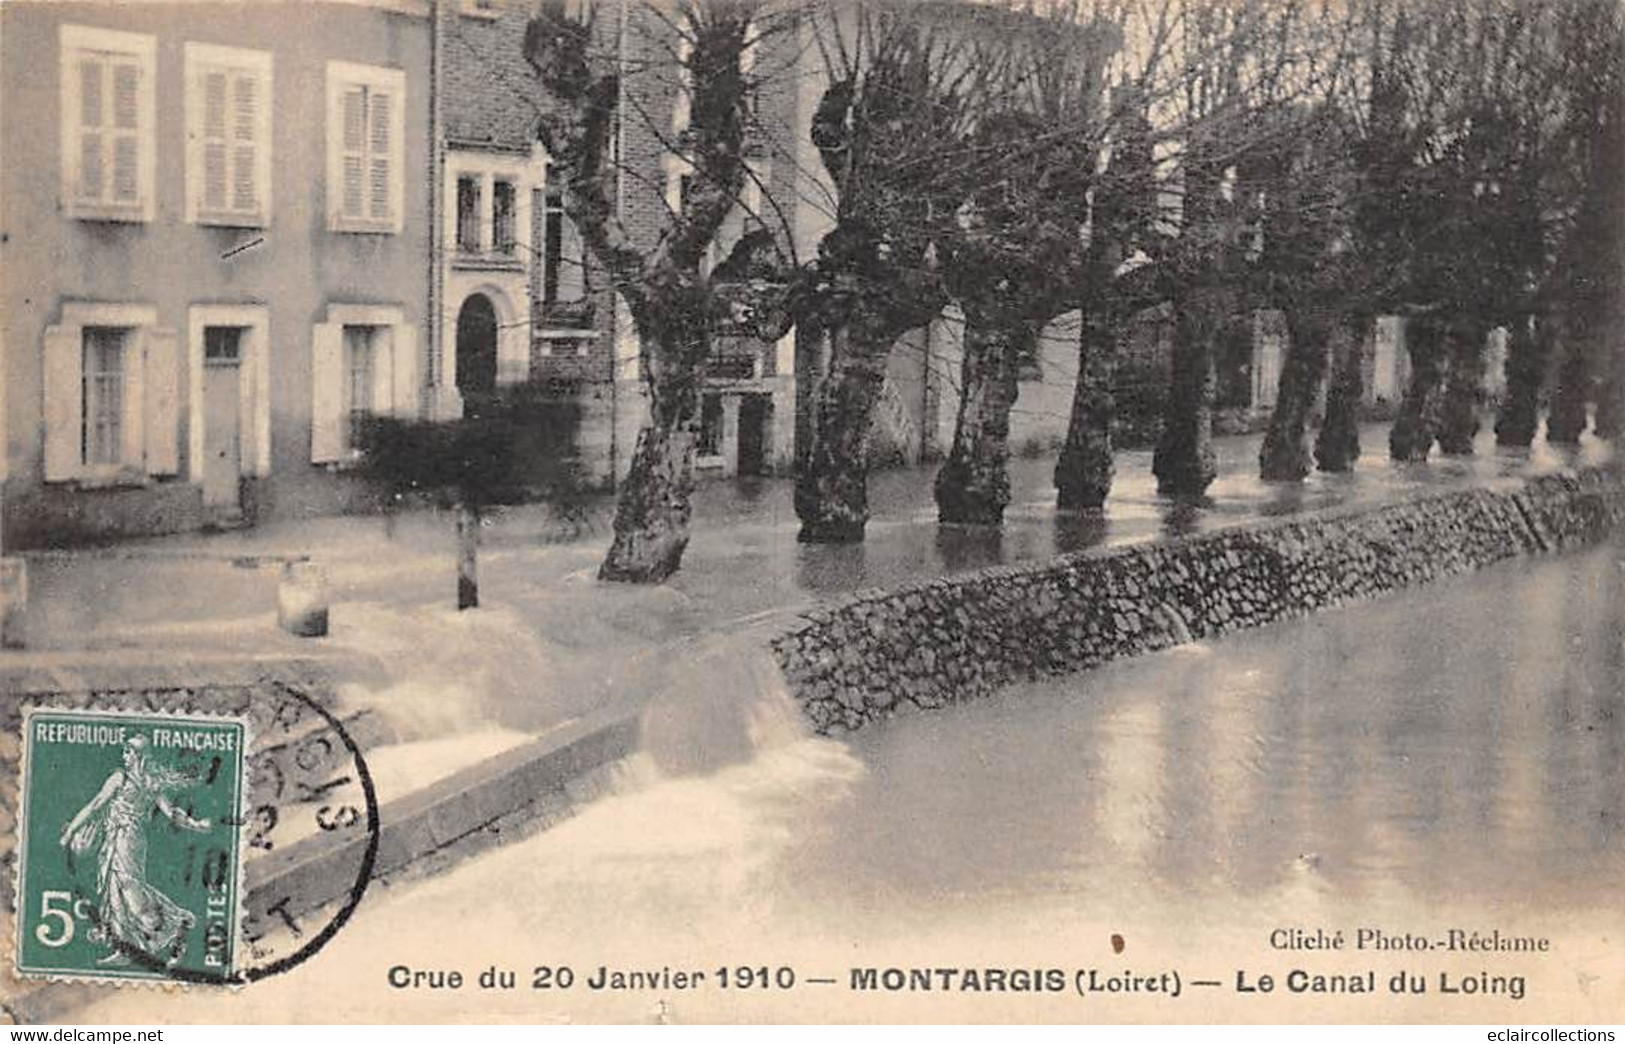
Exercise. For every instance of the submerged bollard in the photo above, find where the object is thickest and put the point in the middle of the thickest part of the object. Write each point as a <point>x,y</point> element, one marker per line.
<point>13,601</point>
<point>301,600</point>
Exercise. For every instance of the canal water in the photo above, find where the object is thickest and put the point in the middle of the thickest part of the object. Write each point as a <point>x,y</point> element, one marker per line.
<point>1447,760</point>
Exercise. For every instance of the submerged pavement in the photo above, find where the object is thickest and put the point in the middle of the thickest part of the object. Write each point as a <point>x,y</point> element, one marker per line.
<point>1449,759</point>
<point>551,642</point>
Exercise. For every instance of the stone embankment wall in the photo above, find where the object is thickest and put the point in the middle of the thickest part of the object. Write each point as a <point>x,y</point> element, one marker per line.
<point>935,643</point>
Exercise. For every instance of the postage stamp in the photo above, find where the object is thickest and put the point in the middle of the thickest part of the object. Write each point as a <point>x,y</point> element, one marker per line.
<point>129,861</point>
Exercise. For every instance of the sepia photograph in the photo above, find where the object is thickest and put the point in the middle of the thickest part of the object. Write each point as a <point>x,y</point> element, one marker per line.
<point>809,512</point>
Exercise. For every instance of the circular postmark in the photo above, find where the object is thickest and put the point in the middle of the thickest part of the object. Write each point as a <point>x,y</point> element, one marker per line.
<point>313,825</point>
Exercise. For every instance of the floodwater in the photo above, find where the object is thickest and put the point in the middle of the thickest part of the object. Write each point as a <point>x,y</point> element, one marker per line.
<point>1450,759</point>
<point>743,558</point>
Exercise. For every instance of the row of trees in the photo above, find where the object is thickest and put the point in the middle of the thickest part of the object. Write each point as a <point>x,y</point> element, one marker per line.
<point>1458,164</point>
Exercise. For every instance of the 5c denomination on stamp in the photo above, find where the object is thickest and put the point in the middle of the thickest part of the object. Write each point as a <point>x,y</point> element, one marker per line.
<point>129,861</point>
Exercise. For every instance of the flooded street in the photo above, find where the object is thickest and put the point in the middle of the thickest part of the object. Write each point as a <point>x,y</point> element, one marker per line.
<point>1450,759</point>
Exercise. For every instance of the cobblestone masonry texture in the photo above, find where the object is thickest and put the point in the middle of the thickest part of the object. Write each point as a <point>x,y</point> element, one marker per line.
<point>930,644</point>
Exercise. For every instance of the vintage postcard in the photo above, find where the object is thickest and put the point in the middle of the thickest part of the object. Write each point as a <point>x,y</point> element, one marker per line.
<point>812,511</point>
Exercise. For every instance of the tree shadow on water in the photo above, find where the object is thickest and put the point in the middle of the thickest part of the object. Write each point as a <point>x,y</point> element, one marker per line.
<point>962,548</point>
<point>1183,516</point>
<point>1080,530</point>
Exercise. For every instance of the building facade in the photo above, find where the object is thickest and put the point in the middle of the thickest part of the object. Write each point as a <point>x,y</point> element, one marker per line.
<point>215,219</point>
<point>564,337</point>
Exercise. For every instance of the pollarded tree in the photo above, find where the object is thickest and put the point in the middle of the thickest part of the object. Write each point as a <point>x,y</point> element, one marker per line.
<point>901,94</point>
<point>1201,263</point>
<point>674,305</point>
<point>1586,288</point>
<point>1020,248</point>
<point>1466,164</point>
<point>1302,266</point>
<point>1122,227</point>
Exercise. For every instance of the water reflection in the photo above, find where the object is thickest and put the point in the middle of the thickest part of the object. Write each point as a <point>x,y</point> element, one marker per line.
<point>1080,530</point>
<point>1365,750</point>
<point>964,548</point>
<point>1183,516</point>
<point>830,568</point>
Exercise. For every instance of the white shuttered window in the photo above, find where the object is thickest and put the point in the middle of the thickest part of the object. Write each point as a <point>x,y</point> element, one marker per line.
<point>364,363</point>
<point>365,148</point>
<point>228,136</point>
<point>110,394</point>
<point>107,119</point>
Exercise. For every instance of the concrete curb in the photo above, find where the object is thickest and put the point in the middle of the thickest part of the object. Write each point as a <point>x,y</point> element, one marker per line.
<point>528,782</point>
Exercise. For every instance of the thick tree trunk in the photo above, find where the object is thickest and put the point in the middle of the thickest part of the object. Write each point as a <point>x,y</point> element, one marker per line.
<point>1284,456</point>
<point>1463,388</point>
<point>973,486</point>
<point>1567,420</point>
<point>654,506</point>
<point>468,543</point>
<point>1183,462</point>
<point>1519,415</point>
<point>1338,445</point>
<point>1083,474</point>
<point>831,495</point>
<point>1417,426</point>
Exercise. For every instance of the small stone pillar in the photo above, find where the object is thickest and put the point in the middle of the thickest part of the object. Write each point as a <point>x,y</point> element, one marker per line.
<point>730,435</point>
<point>301,600</point>
<point>13,601</point>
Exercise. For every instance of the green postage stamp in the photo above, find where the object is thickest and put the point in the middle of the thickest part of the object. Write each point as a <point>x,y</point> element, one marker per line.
<point>128,857</point>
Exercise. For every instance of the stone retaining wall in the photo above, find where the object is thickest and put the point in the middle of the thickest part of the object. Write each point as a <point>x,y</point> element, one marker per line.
<point>935,643</point>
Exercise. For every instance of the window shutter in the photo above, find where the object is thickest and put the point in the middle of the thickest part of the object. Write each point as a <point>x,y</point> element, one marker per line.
<point>327,419</point>
<point>91,129</point>
<point>245,165</point>
<point>214,143</point>
<point>64,402</point>
<point>162,402</point>
<point>380,154</point>
<point>133,451</point>
<point>127,132</point>
<point>355,124</point>
<point>404,366</point>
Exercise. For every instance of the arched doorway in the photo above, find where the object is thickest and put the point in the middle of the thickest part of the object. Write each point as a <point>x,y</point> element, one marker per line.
<point>477,347</point>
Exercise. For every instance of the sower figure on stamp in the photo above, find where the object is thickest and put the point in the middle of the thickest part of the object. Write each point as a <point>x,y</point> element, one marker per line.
<point>131,913</point>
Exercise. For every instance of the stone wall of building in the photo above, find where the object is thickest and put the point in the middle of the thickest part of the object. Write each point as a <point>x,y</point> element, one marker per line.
<point>930,644</point>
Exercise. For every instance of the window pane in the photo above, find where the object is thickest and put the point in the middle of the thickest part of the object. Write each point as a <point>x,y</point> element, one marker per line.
<point>468,215</point>
<point>358,370</point>
<point>103,394</point>
<point>222,344</point>
<point>502,216</point>
<point>552,248</point>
